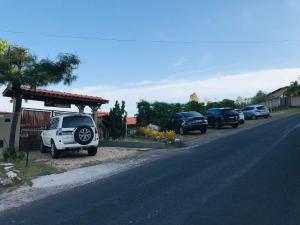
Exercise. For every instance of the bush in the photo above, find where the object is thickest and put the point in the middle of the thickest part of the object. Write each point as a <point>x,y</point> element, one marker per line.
<point>11,154</point>
<point>157,135</point>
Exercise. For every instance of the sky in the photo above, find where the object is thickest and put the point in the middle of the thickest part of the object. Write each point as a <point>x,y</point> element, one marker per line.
<point>161,50</point>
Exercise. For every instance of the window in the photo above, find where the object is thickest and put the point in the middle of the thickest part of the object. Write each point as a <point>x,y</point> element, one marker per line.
<point>261,107</point>
<point>191,114</point>
<point>54,124</point>
<point>248,108</point>
<point>76,121</point>
<point>7,120</point>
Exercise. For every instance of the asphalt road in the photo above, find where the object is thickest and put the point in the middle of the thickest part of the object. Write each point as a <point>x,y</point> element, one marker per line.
<point>248,178</point>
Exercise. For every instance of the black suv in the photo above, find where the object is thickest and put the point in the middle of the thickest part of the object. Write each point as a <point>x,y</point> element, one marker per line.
<point>188,121</point>
<point>218,117</point>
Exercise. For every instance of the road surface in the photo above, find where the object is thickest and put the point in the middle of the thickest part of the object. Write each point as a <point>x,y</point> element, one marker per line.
<point>252,177</point>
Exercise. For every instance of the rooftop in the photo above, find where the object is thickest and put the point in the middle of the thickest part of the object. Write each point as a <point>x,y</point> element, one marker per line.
<point>56,96</point>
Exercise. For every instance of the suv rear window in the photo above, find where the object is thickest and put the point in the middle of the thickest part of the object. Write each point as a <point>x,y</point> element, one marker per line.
<point>261,107</point>
<point>190,114</point>
<point>75,121</point>
<point>248,108</point>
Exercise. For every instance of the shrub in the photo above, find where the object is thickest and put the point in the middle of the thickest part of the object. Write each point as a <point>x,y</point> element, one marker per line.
<point>11,154</point>
<point>157,135</point>
<point>170,135</point>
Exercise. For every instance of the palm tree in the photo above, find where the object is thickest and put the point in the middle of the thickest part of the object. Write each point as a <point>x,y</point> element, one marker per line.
<point>18,67</point>
<point>293,89</point>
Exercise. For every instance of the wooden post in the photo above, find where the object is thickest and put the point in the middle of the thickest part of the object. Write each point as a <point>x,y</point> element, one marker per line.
<point>81,108</point>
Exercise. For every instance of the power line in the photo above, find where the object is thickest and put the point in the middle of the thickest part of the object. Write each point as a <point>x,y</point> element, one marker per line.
<point>153,41</point>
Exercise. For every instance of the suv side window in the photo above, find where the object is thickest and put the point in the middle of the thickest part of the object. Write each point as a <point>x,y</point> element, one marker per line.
<point>54,124</point>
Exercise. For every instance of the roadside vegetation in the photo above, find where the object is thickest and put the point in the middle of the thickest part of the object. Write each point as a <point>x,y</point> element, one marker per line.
<point>14,172</point>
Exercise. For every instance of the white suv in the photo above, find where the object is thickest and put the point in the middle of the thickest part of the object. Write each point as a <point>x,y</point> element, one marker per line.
<point>70,132</point>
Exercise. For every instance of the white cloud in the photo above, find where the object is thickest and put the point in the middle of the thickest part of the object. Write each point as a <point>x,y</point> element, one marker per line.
<point>179,90</point>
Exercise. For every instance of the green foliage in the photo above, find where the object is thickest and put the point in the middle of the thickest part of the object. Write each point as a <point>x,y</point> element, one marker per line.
<point>221,104</point>
<point>3,46</point>
<point>144,113</point>
<point>241,102</point>
<point>293,89</point>
<point>19,67</point>
<point>11,154</point>
<point>259,97</point>
<point>118,117</point>
<point>195,106</point>
<point>158,113</point>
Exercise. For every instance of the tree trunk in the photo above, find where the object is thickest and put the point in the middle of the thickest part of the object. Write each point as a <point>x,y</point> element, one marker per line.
<point>15,120</point>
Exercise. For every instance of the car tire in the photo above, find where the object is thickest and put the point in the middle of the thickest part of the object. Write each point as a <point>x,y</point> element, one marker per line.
<point>54,152</point>
<point>253,117</point>
<point>83,135</point>
<point>181,131</point>
<point>242,121</point>
<point>203,130</point>
<point>236,125</point>
<point>217,124</point>
<point>266,117</point>
<point>43,148</point>
<point>92,151</point>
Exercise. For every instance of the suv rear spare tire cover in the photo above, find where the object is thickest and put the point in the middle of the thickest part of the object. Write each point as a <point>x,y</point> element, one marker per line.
<point>83,135</point>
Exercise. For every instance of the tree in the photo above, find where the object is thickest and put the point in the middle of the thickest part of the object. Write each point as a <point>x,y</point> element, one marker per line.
<point>227,103</point>
<point>118,118</point>
<point>195,106</point>
<point>293,89</point>
<point>241,102</point>
<point>259,97</point>
<point>144,113</point>
<point>19,67</point>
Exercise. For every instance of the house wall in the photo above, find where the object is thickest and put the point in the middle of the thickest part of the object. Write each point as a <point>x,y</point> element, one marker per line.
<point>295,101</point>
<point>5,124</point>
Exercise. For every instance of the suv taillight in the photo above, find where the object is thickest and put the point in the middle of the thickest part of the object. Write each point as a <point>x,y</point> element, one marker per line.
<point>59,132</point>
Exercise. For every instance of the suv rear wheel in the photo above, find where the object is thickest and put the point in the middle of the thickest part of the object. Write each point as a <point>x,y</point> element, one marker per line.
<point>217,124</point>
<point>235,125</point>
<point>253,117</point>
<point>83,135</point>
<point>203,130</point>
<point>43,148</point>
<point>92,151</point>
<point>54,152</point>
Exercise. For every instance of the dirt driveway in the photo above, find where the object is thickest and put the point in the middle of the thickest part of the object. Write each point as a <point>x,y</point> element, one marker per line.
<point>72,160</point>
<point>195,137</point>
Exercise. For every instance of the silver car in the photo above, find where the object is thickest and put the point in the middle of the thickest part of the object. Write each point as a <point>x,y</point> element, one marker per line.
<point>241,116</point>
<point>255,111</point>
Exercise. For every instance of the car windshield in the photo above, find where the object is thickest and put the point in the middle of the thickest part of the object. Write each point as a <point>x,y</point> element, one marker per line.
<point>76,121</point>
<point>190,114</point>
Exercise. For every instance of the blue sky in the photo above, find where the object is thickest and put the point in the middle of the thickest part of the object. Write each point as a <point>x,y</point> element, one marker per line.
<point>240,35</point>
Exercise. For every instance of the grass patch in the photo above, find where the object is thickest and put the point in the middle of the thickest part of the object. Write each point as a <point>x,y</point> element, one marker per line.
<point>285,112</point>
<point>135,139</point>
<point>34,169</point>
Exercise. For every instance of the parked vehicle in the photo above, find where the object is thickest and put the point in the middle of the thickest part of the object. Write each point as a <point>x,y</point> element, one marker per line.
<point>188,121</point>
<point>241,116</point>
<point>70,132</point>
<point>255,111</point>
<point>218,117</point>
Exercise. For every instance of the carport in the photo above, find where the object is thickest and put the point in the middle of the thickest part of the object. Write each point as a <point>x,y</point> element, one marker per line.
<point>54,99</point>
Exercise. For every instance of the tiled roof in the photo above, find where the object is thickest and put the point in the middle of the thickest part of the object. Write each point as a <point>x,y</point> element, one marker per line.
<point>131,121</point>
<point>61,94</point>
<point>5,113</point>
<point>100,114</point>
<point>55,94</point>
